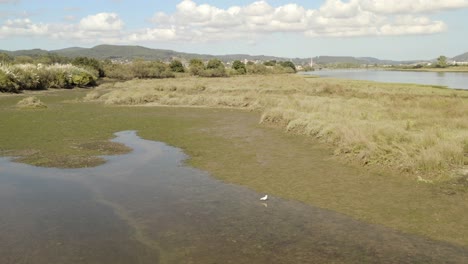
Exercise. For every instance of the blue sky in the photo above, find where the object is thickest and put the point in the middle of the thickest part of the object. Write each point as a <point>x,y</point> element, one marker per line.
<point>387,29</point>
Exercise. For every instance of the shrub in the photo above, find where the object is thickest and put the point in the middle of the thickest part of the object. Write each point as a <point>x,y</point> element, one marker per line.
<point>118,71</point>
<point>159,69</point>
<point>288,64</point>
<point>26,77</point>
<point>177,66</point>
<point>82,79</point>
<point>5,58</point>
<point>15,78</point>
<point>90,64</point>
<point>196,66</point>
<point>214,68</point>
<point>214,64</point>
<point>218,72</point>
<point>7,83</point>
<point>257,69</point>
<point>239,67</point>
<point>151,69</point>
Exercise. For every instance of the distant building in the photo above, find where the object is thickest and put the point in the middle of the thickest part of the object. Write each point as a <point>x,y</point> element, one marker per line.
<point>458,63</point>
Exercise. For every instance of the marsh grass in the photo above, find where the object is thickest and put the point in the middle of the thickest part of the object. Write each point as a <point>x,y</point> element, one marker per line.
<point>414,128</point>
<point>233,147</point>
<point>31,102</point>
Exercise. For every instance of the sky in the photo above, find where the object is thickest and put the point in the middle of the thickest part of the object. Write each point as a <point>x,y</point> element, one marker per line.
<point>385,29</point>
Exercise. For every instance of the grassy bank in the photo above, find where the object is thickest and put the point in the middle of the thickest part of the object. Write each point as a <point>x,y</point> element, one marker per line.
<point>232,146</point>
<point>419,130</point>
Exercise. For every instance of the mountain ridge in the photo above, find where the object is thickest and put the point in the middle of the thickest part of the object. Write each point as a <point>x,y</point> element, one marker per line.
<point>129,52</point>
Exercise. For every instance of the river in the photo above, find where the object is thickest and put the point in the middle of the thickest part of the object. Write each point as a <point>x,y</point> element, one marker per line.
<point>148,207</point>
<point>454,80</point>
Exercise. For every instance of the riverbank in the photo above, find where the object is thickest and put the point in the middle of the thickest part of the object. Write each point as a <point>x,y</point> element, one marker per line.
<point>231,145</point>
<point>379,124</point>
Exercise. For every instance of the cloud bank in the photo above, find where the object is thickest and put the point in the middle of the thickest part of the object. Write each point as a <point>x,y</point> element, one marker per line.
<point>196,22</point>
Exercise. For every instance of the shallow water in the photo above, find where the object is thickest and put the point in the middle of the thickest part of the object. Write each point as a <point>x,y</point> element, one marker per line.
<point>147,207</point>
<point>455,80</point>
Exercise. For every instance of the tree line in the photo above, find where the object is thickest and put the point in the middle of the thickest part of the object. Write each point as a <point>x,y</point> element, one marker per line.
<point>54,71</point>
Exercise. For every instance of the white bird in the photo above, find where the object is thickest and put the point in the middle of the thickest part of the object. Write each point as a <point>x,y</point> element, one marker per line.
<point>264,198</point>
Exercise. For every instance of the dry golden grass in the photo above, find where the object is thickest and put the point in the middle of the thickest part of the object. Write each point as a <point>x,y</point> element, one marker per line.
<point>417,129</point>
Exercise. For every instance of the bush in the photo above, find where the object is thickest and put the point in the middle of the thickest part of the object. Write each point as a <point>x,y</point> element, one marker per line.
<point>82,79</point>
<point>218,72</point>
<point>214,64</point>
<point>214,68</point>
<point>151,69</point>
<point>177,66</point>
<point>7,83</point>
<point>239,67</point>
<point>118,71</point>
<point>257,69</point>
<point>15,78</point>
<point>5,58</point>
<point>90,64</point>
<point>196,66</point>
<point>26,77</point>
<point>288,64</point>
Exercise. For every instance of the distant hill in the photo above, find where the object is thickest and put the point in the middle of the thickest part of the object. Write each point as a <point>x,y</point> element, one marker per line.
<point>133,52</point>
<point>335,59</point>
<point>461,57</point>
<point>122,52</point>
<point>32,52</point>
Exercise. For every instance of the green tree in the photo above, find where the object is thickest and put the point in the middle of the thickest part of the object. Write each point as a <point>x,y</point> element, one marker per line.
<point>214,68</point>
<point>288,64</point>
<point>5,58</point>
<point>215,64</point>
<point>196,66</point>
<point>239,67</point>
<point>442,62</point>
<point>270,63</point>
<point>177,66</point>
<point>90,63</point>
<point>257,69</point>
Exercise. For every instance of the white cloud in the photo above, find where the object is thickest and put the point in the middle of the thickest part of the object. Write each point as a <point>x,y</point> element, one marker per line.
<point>22,27</point>
<point>102,22</point>
<point>408,25</point>
<point>339,9</point>
<point>335,18</point>
<point>102,27</point>
<point>411,6</point>
<point>195,22</point>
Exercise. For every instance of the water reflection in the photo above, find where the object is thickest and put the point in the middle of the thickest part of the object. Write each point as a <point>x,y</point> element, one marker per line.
<point>147,207</point>
<point>455,80</point>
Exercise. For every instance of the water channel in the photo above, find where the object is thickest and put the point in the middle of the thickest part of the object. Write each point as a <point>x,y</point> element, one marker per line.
<point>454,80</point>
<point>148,207</point>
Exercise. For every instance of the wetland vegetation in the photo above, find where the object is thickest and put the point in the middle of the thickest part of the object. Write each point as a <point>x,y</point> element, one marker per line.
<point>390,154</point>
<point>417,129</point>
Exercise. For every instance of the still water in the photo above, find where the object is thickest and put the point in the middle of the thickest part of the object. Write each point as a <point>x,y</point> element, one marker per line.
<point>455,80</point>
<point>148,207</point>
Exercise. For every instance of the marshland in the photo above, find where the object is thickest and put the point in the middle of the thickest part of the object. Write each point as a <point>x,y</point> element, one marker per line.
<point>387,159</point>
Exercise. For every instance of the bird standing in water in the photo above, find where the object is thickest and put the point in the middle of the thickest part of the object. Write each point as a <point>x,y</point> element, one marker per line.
<point>264,198</point>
